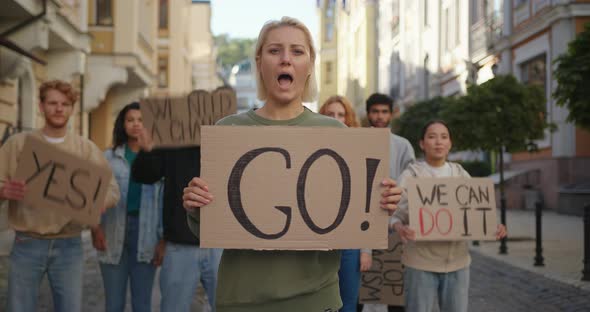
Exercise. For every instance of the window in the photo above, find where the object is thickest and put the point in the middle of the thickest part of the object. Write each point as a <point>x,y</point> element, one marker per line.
<point>330,9</point>
<point>163,72</point>
<point>329,35</point>
<point>328,78</point>
<point>329,26</point>
<point>163,18</point>
<point>104,12</point>
<point>534,72</point>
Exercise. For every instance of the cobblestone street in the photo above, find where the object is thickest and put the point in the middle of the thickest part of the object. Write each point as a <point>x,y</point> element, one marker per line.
<point>93,295</point>
<point>495,286</point>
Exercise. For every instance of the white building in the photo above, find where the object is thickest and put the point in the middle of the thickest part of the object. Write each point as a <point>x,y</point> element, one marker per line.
<point>242,78</point>
<point>429,48</point>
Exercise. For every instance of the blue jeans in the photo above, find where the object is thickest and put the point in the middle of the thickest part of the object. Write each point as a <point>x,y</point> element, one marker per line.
<point>139,274</point>
<point>183,267</point>
<point>350,279</point>
<point>62,259</point>
<point>422,289</point>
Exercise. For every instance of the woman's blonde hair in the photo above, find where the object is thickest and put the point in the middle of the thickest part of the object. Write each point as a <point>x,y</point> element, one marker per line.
<point>310,90</point>
<point>349,114</point>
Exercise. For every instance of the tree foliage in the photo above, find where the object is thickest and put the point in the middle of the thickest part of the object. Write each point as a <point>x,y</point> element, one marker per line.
<point>573,79</point>
<point>501,112</point>
<point>231,51</point>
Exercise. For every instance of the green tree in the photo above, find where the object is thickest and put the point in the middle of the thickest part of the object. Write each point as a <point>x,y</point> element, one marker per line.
<point>499,115</point>
<point>410,123</point>
<point>573,78</point>
<point>231,51</point>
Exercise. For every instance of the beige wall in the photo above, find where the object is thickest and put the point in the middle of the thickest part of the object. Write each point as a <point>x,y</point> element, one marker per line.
<point>8,107</point>
<point>177,47</point>
<point>128,61</point>
<point>357,57</point>
<point>327,56</point>
<point>101,122</point>
<point>203,53</point>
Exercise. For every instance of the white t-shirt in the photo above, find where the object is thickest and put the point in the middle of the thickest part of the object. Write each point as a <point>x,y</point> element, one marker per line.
<point>54,140</point>
<point>440,172</point>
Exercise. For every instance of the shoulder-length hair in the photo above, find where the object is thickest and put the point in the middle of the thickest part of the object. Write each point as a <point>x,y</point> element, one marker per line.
<point>310,90</point>
<point>120,136</point>
<point>349,115</point>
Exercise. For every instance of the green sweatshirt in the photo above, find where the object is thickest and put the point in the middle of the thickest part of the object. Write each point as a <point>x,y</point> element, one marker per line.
<point>278,280</point>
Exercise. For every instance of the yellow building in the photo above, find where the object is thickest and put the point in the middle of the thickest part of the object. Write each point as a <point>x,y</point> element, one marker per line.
<point>327,69</point>
<point>353,68</point>
<point>174,48</point>
<point>142,48</point>
<point>203,53</point>
<point>39,40</point>
<point>122,64</point>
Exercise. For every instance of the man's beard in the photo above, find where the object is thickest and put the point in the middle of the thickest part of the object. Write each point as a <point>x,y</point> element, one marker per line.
<point>56,125</point>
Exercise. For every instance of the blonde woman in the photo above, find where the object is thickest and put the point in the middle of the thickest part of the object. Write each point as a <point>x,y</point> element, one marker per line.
<point>253,280</point>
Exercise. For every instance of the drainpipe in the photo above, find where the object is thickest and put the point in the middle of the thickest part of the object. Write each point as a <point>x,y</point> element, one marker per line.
<point>24,23</point>
<point>82,105</point>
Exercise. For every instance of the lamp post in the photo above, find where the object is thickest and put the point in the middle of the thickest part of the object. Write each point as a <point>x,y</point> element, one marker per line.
<point>503,246</point>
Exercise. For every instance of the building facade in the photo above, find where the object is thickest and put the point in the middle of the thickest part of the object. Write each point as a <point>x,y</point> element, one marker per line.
<point>122,64</point>
<point>348,50</point>
<point>429,48</point>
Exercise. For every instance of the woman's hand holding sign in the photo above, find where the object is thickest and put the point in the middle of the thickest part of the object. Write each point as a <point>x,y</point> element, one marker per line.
<point>501,231</point>
<point>391,196</point>
<point>196,194</point>
<point>405,232</point>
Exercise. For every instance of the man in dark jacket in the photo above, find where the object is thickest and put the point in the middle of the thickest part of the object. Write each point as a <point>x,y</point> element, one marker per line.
<point>185,263</point>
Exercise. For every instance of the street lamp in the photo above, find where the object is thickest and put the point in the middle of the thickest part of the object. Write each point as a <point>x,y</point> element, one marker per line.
<point>503,246</point>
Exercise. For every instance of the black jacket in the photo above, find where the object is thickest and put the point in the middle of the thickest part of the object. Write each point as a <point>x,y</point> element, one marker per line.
<point>177,167</point>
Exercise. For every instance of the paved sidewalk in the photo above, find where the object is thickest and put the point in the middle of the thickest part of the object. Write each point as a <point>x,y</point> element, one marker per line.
<point>563,246</point>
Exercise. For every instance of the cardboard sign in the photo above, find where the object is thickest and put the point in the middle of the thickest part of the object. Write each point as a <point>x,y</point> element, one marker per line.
<point>177,121</point>
<point>294,188</point>
<point>384,282</point>
<point>446,209</point>
<point>58,180</point>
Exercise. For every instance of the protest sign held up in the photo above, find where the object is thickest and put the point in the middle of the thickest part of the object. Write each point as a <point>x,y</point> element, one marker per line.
<point>61,181</point>
<point>446,209</point>
<point>384,282</point>
<point>177,121</point>
<point>294,188</point>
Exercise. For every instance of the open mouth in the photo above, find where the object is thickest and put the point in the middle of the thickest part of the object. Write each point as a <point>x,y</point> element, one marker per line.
<point>285,80</point>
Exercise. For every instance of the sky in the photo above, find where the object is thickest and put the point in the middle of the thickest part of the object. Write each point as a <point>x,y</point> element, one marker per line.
<point>244,18</point>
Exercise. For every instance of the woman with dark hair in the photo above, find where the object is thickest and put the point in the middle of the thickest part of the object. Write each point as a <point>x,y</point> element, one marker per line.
<point>436,273</point>
<point>352,261</point>
<point>128,238</point>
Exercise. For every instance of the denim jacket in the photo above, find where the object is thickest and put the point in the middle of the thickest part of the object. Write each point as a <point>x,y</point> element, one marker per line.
<point>114,220</point>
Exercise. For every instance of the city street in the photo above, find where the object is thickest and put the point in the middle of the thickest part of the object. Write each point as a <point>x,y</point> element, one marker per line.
<point>495,286</point>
